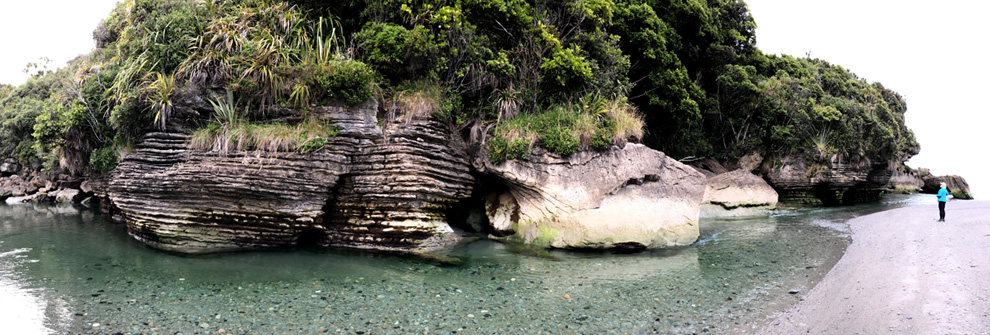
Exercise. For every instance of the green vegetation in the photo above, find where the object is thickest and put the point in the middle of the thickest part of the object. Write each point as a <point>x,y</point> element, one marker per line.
<point>230,132</point>
<point>684,77</point>
<point>590,123</point>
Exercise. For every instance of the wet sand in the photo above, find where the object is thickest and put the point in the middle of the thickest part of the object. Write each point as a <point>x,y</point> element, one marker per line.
<point>904,273</point>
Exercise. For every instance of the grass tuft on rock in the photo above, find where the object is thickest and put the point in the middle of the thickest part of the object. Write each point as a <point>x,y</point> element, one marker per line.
<point>589,123</point>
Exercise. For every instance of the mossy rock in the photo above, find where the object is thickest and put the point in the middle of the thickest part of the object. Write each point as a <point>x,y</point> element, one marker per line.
<point>962,195</point>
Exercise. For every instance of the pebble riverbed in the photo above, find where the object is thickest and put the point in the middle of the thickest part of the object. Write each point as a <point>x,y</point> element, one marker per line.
<point>66,270</point>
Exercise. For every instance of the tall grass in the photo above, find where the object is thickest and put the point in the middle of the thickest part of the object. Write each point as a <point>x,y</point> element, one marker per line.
<point>588,123</point>
<point>267,137</point>
<point>229,132</point>
<point>414,100</point>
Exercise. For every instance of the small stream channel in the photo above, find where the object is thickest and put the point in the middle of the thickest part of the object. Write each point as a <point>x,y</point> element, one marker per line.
<point>70,270</point>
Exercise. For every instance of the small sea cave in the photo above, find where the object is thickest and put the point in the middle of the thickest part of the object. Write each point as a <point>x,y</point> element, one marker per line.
<point>863,193</point>
<point>471,215</point>
<point>311,237</point>
<point>827,194</point>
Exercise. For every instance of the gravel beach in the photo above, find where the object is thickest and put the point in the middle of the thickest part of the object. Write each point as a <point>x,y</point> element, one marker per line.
<point>904,273</point>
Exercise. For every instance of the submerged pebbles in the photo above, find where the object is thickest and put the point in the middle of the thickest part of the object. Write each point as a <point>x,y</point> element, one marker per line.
<point>740,272</point>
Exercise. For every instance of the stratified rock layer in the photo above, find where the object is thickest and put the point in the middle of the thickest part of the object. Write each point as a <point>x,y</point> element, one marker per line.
<point>907,181</point>
<point>835,182</point>
<point>367,188</point>
<point>625,197</point>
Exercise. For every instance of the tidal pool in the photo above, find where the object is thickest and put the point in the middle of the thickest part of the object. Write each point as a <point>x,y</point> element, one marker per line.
<point>69,270</point>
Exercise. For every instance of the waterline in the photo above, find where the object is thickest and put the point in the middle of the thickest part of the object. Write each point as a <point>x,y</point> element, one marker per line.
<point>82,270</point>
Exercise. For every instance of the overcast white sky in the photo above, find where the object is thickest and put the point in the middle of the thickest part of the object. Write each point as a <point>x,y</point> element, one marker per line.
<point>57,29</point>
<point>933,53</point>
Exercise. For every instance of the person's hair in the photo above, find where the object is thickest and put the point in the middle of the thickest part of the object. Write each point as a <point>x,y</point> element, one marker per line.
<point>941,184</point>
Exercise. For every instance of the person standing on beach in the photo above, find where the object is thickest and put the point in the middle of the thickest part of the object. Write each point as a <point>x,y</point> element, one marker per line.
<point>943,193</point>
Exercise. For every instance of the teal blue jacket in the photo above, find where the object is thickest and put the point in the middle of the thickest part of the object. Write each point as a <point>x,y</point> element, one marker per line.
<point>942,193</point>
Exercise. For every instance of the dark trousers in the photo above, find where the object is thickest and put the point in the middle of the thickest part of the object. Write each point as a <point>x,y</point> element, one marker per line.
<point>941,210</point>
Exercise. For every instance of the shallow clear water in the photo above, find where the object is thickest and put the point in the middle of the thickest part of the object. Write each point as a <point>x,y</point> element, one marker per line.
<point>65,270</point>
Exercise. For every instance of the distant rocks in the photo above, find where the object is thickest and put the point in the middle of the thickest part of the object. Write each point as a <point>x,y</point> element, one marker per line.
<point>28,186</point>
<point>955,184</point>
<point>632,197</point>
<point>906,180</point>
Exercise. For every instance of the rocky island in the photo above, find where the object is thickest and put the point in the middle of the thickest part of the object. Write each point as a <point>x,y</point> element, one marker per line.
<point>284,125</point>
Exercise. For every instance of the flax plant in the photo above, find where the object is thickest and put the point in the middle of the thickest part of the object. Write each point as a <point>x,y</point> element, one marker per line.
<point>159,92</point>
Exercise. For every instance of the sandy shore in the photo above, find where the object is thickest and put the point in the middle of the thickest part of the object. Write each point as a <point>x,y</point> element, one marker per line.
<point>904,273</point>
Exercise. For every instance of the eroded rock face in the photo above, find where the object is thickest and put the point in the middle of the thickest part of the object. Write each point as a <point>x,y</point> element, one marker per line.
<point>9,167</point>
<point>367,188</point>
<point>708,167</point>
<point>906,181</point>
<point>955,184</point>
<point>398,189</point>
<point>625,197</point>
<point>738,193</point>
<point>835,182</point>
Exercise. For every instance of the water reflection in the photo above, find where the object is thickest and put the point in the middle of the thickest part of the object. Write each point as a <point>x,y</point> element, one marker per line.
<point>73,269</point>
<point>26,309</point>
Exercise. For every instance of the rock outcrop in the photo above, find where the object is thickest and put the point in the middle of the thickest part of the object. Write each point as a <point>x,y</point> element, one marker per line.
<point>625,197</point>
<point>737,193</point>
<point>834,182</point>
<point>30,186</point>
<point>9,167</point>
<point>955,184</point>
<point>368,187</point>
<point>904,180</point>
<point>707,166</point>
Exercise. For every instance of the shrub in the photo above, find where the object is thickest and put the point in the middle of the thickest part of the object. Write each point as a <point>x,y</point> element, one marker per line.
<point>347,81</point>
<point>498,149</point>
<point>104,160</point>
<point>589,123</point>
<point>313,144</point>
<point>394,50</point>
<point>560,140</point>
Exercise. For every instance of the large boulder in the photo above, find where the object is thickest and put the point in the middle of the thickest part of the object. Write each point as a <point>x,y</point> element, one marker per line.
<point>68,195</point>
<point>955,184</point>
<point>624,197</point>
<point>738,193</point>
<point>370,187</point>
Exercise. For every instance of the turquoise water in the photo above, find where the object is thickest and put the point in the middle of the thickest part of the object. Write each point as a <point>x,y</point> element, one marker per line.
<point>70,270</point>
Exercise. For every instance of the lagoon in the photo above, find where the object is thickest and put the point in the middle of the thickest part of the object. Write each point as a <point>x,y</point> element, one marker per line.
<point>71,270</point>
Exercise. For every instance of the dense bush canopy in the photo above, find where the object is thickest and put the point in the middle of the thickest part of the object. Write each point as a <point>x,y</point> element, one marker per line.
<point>683,76</point>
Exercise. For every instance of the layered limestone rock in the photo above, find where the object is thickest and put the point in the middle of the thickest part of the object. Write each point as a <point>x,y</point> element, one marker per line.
<point>737,193</point>
<point>835,182</point>
<point>625,197</point>
<point>907,181</point>
<point>955,184</point>
<point>399,189</point>
<point>367,188</point>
